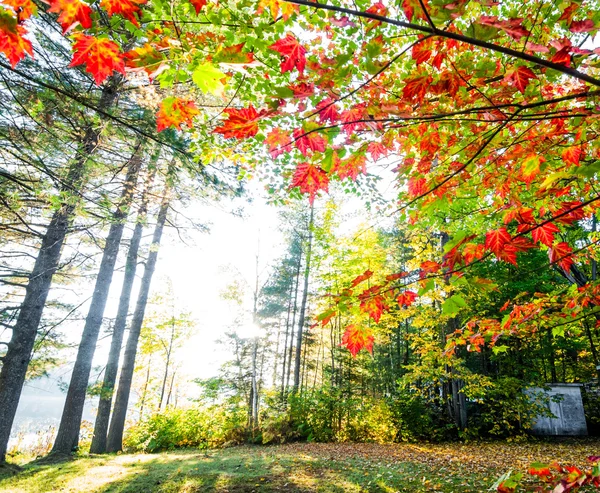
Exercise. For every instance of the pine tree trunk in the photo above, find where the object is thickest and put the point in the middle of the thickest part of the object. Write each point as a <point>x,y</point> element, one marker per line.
<point>117,423</point>
<point>18,355</point>
<point>167,363</point>
<point>112,367</point>
<point>67,438</point>
<point>302,316</point>
<point>294,310</point>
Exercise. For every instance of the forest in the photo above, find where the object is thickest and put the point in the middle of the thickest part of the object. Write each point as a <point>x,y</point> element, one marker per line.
<point>403,198</point>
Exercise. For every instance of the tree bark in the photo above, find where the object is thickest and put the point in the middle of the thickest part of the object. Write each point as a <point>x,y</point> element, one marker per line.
<point>167,363</point>
<point>18,355</point>
<point>112,366</point>
<point>302,315</point>
<point>67,438</point>
<point>117,423</point>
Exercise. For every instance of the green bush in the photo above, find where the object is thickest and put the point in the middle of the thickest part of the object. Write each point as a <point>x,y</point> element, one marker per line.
<point>192,427</point>
<point>506,410</point>
<point>415,419</point>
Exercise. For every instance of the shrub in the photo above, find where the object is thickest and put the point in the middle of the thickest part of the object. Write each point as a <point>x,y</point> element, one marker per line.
<point>192,427</point>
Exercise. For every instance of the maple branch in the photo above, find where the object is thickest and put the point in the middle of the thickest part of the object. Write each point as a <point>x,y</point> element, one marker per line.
<point>456,36</point>
<point>370,79</point>
<point>101,112</point>
<point>427,14</point>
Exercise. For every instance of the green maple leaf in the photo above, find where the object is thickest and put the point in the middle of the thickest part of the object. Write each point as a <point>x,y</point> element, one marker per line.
<point>453,305</point>
<point>208,78</point>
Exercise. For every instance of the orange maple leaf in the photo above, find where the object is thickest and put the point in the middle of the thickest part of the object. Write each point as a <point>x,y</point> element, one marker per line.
<point>310,179</point>
<point>363,277</point>
<point>12,41</point>
<point>292,52</point>
<point>356,338</point>
<point>100,56</point>
<point>242,123</point>
<point>175,112</point>
<point>406,298</point>
<point>278,141</point>
<point>24,9</point>
<point>560,254</point>
<point>417,87</point>
<point>572,155</point>
<point>416,187</point>
<point>350,167</point>
<point>71,12</point>
<point>126,8</point>
<point>146,58</point>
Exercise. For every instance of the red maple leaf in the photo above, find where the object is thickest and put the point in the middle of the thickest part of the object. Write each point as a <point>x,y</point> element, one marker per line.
<point>417,88</point>
<point>561,254</point>
<point>242,123</point>
<point>175,112</point>
<point>352,118</point>
<point>406,298</point>
<point>521,244</point>
<point>416,187</point>
<point>582,26</point>
<point>545,234</point>
<point>198,5</point>
<point>126,8</point>
<point>12,41</point>
<point>278,141</point>
<point>572,155</point>
<point>356,338</point>
<point>453,257</point>
<point>363,277</point>
<point>541,470</point>
<point>350,167</point>
<point>421,51</point>
<point>520,77</point>
<point>327,110</point>
<point>495,241</point>
<point>374,306</point>
<point>71,12</point>
<point>513,27</point>
<point>569,12</point>
<point>101,56</point>
<point>377,150</point>
<point>292,52</point>
<point>302,89</point>
<point>309,141</point>
<point>310,179</point>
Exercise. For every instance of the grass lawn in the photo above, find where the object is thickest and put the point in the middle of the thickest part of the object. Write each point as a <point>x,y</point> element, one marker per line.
<point>297,468</point>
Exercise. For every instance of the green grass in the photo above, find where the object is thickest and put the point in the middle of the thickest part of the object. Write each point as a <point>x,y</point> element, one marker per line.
<point>291,468</point>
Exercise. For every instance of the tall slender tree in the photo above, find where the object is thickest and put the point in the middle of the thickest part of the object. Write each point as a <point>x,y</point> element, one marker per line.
<point>68,432</point>
<point>117,422</point>
<point>18,354</point>
<point>112,366</point>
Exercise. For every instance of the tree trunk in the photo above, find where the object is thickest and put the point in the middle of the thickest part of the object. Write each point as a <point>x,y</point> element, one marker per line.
<point>144,393</point>
<point>67,438</point>
<point>167,363</point>
<point>112,367</point>
<point>117,423</point>
<point>18,355</point>
<point>302,314</point>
